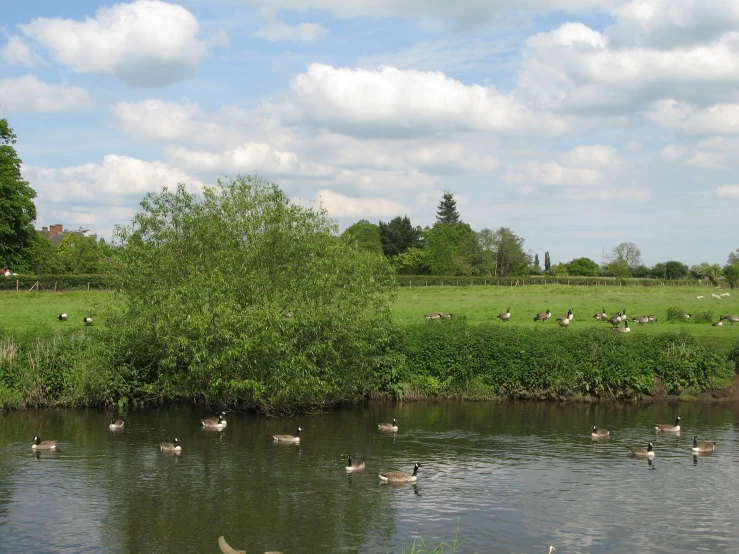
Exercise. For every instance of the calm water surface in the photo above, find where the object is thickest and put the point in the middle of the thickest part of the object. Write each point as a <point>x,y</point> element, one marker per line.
<point>511,477</point>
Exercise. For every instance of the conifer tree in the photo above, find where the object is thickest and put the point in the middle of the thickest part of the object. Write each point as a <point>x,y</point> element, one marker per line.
<point>447,212</point>
<point>547,262</point>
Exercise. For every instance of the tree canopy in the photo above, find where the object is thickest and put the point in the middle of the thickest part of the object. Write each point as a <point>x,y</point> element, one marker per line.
<point>398,235</point>
<point>447,211</point>
<point>583,266</point>
<point>366,235</point>
<point>253,299</point>
<point>17,210</point>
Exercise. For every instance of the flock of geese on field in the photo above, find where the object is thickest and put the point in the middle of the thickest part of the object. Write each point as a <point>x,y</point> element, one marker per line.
<point>615,320</point>
<point>87,320</point>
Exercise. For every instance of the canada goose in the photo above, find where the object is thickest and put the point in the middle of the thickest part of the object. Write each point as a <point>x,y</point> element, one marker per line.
<point>87,320</point>
<point>551,549</point>
<point>624,329</point>
<point>599,433</point>
<point>444,314</point>
<point>615,320</point>
<point>564,321</point>
<point>641,320</point>
<point>732,318</point>
<point>652,318</point>
<point>641,452</point>
<point>703,446</point>
<point>541,316</point>
<point>687,316</point>
<point>116,424</point>
<point>399,476</point>
<point>601,315</point>
<point>719,323</point>
<point>433,316</point>
<point>213,423</point>
<point>63,317</point>
<point>354,465</point>
<point>38,444</point>
<point>287,314</point>
<point>388,426</point>
<point>288,438</point>
<point>171,447</point>
<point>669,428</point>
<point>506,316</point>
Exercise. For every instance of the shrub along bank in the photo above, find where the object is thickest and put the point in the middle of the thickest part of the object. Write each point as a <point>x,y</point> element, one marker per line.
<point>440,359</point>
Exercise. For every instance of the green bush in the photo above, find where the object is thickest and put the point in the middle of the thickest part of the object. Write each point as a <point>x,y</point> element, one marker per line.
<point>675,313</point>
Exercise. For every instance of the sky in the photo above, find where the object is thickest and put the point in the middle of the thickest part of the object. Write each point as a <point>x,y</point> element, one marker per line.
<point>578,124</point>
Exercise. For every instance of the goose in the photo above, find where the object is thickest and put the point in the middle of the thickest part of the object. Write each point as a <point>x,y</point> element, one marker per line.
<point>506,316</point>
<point>171,446</point>
<point>551,549</point>
<point>116,424</point>
<point>641,320</point>
<point>288,438</point>
<point>399,476</point>
<point>87,320</point>
<point>641,452</point>
<point>601,315</point>
<point>433,316</point>
<point>732,318</point>
<point>388,426</point>
<point>564,321</point>
<point>669,428</point>
<point>687,316</point>
<point>716,296</point>
<point>287,314</point>
<point>599,433</point>
<point>541,316</point>
<point>615,320</point>
<point>63,317</point>
<point>38,444</point>
<point>444,314</point>
<point>652,318</point>
<point>213,423</point>
<point>354,465</point>
<point>624,329</point>
<point>703,446</point>
<point>719,323</point>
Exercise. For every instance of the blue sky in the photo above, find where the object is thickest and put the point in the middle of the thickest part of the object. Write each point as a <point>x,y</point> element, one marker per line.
<point>579,124</point>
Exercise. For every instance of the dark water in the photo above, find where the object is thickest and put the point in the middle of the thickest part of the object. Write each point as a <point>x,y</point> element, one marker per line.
<point>509,477</point>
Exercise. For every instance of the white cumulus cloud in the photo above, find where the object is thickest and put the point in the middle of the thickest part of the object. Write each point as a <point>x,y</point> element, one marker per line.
<point>17,52</point>
<point>144,43</point>
<point>303,32</point>
<point>394,102</point>
<point>339,205</point>
<point>718,119</point>
<point>596,156</point>
<point>551,173</point>
<point>28,94</point>
<point>728,191</point>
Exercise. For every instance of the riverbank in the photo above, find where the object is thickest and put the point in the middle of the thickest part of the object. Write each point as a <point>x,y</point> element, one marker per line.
<point>441,359</point>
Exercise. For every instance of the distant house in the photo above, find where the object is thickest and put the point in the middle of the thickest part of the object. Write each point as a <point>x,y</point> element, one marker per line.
<point>56,233</point>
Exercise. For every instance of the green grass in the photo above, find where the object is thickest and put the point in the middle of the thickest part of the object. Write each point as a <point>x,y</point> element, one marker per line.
<point>39,311</point>
<point>483,303</point>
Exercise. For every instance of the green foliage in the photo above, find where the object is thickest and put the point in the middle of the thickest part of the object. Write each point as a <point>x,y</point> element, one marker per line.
<point>547,262</point>
<point>583,266</point>
<point>731,272</point>
<point>207,281</point>
<point>79,253</point>
<point>366,235</point>
<point>675,313</point>
<point>398,235</point>
<point>733,258</point>
<point>17,210</point>
<point>702,270</point>
<point>450,249</point>
<point>414,261</point>
<point>670,270</point>
<point>447,212</point>
<point>43,257</point>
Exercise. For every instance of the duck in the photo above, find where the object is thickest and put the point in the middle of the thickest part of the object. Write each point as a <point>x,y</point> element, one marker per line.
<point>87,320</point>
<point>288,438</point>
<point>703,446</point>
<point>732,318</point>
<point>171,446</point>
<point>669,428</point>
<point>38,444</point>
<point>641,452</point>
<point>624,329</point>
<point>388,426</point>
<point>506,316</point>
<point>354,465</point>
<point>213,423</point>
<point>719,323</point>
<point>399,476</point>
<point>541,316</point>
<point>599,433</point>
<point>116,424</point>
<point>63,317</point>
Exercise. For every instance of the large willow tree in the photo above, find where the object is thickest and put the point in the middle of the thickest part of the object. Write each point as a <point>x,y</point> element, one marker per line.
<point>237,295</point>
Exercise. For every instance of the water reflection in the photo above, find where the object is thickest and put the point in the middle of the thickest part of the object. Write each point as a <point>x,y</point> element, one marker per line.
<point>511,476</point>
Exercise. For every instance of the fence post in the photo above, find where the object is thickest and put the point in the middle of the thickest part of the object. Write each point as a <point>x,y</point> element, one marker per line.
<point>442,282</point>
<point>54,286</point>
<point>16,285</point>
<point>88,286</point>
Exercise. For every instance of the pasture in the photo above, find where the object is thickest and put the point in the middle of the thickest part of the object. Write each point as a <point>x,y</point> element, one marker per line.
<point>483,304</point>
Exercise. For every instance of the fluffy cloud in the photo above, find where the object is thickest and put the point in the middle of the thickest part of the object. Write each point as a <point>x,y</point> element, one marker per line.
<point>27,93</point>
<point>578,69</point>
<point>719,119</point>
<point>304,32</point>
<point>394,102</point>
<point>728,191</point>
<point>339,205</point>
<point>145,43</point>
<point>551,173</point>
<point>597,156</point>
<point>715,154</point>
<point>16,52</point>
<point>118,181</point>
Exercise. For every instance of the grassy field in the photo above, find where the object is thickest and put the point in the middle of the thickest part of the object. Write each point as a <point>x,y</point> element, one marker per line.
<point>481,303</point>
<point>39,310</point>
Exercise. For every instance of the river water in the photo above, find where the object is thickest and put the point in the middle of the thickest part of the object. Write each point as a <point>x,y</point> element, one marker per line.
<point>507,477</point>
